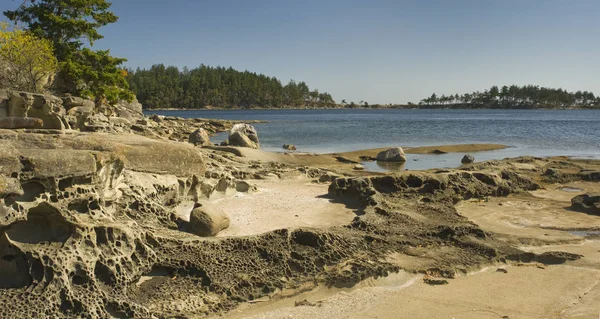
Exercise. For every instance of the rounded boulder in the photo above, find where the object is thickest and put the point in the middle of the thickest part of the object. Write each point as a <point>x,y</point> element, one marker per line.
<point>468,159</point>
<point>199,137</point>
<point>393,154</point>
<point>244,135</point>
<point>208,220</point>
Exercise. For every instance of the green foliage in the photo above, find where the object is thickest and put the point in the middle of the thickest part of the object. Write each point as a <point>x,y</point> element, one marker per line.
<point>528,96</point>
<point>64,22</point>
<point>168,87</point>
<point>67,23</point>
<point>26,62</point>
<point>95,74</point>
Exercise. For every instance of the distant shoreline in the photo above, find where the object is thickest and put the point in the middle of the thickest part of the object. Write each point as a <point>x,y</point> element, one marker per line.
<point>370,108</point>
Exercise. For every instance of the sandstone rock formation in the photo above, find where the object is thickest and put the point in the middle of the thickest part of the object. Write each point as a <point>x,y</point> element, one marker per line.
<point>394,154</point>
<point>48,108</point>
<point>468,159</point>
<point>20,122</point>
<point>90,227</point>
<point>200,137</point>
<point>244,135</point>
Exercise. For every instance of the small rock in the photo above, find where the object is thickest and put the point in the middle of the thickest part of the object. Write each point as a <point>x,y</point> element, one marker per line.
<point>587,203</point>
<point>119,121</point>
<point>208,220</point>
<point>157,118</point>
<point>435,281</point>
<point>289,147</point>
<point>468,159</point>
<point>358,167</point>
<point>244,187</point>
<point>436,151</point>
<point>199,137</point>
<point>394,154</point>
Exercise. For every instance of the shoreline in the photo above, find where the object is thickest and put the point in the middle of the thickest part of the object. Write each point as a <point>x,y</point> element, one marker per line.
<point>295,222</point>
<point>368,108</point>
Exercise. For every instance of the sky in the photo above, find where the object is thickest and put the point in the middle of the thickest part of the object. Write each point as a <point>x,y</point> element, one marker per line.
<point>379,51</point>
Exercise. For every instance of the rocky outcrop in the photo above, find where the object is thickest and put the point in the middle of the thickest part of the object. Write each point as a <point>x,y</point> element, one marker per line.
<point>468,159</point>
<point>200,137</point>
<point>244,135</point>
<point>394,154</point>
<point>208,220</point>
<point>92,225</point>
<point>48,108</point>
<point>131,111</point>
<point>587,203</point>
<point>69,111</point>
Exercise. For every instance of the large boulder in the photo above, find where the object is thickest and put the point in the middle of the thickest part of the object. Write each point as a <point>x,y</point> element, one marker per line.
<point>468,159</point>
<point>588,203</point>
<point>131,111</point>
<point>208,220</point>
<point>393,154</point>
<point>244,135</point>
<point>200,137</point>
<point>94,123</point>
<point>46,107</point>
<point>70,102</point>
<point>20,122</point>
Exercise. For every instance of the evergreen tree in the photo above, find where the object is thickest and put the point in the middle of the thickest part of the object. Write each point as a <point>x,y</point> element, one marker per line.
<point>66,23</point>
<point>528,96</point>
<point>168,87</point>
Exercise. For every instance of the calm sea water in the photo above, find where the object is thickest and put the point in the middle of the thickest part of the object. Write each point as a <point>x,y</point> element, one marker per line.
<point>528,132</point>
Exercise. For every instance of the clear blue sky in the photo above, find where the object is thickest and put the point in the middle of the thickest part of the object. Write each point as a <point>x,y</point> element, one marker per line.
<point>380,51</point>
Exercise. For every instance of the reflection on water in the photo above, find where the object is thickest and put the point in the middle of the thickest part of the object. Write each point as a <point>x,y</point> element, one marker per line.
<point>571,189</point>
<point>391,166</point>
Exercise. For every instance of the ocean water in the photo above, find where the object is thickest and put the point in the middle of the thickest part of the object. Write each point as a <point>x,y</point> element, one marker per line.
<point>540,133</point>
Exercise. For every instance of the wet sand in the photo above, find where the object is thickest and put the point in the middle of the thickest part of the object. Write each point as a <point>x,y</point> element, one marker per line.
<point>535,221</point>
<point>521,292</point>
<point>290,204</point>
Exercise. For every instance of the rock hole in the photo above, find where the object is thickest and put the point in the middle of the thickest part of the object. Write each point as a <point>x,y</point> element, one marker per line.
<point>307,238</point>
<point>13,266</point>
<point>113,310</point>
<point>27,165</point>
<point>37,270</point>
<point>31,191</point>
<point>104,274</point>
<point>65,183</point>
<point>44,223</point>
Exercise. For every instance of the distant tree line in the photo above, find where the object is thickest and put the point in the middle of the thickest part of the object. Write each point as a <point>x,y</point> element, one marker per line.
<point>528,96</point>
<point>169,87</point>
